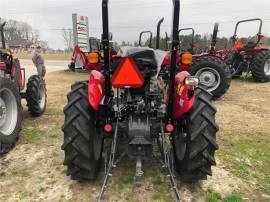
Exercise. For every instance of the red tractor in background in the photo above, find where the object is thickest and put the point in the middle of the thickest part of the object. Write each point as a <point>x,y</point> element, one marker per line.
<point>252,57</point>
<point>209,67</point>
<point>84,57</point>
<point>127,105</point>
<point>12,83</point>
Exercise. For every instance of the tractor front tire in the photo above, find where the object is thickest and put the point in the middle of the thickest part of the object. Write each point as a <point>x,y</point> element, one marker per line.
<point>36,95</point>
<point>213,73</point>
<point>200,140</point>
<point>80,136</point>
<point>10,114</point>
<point>260,68</point>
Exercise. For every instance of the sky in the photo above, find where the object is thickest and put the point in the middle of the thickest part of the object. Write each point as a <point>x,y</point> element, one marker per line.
<point>129,17</point>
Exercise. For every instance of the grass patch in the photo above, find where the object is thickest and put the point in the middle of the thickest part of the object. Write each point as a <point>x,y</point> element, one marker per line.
<point>162,192</point>
<point>22,172</point>
<point>130,197</point>
<point>42,189</point>
<point>213,196</point>
<point>23,195</point>
<point>126,177</point>
<point>233,198</point>
<point>29,135</point>
<point>248,158</point>
<point>53,136</point>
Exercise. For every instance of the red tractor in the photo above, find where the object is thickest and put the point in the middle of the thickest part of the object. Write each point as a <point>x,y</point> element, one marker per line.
<point>214,74</point>
<point>252,57</point>
<point>84,57</point>
<point>129,104</point>
<point>12,83</point>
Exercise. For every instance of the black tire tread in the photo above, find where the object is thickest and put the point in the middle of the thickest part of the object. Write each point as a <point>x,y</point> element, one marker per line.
<point>257,67</point>
<point>7,145</point>
<point>78,137</point>
<point>32,93</point>
<point>201,140</point>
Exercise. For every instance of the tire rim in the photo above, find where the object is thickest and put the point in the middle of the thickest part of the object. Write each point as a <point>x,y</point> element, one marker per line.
<point>8,112</point>
<point>42,96</point>
<point>209,77</point>
<point>267,67</point>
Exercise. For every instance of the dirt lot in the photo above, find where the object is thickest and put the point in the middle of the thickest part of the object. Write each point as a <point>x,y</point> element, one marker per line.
<point>33,170</point>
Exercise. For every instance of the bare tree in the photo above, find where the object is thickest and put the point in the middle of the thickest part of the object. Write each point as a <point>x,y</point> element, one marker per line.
<point>67,35</point>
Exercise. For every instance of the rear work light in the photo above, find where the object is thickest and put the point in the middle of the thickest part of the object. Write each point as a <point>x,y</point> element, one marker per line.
<point>192,81</point>
<point>127,75</point>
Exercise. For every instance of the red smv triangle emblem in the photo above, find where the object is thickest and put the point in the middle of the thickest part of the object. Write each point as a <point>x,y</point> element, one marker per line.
<point>127,75</point>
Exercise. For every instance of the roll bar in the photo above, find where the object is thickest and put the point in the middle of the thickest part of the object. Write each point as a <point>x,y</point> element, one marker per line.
<point>2,35</point>
<point>158,32</point>
<point>167,40</point>
<point>174,48</point>
<point>214,36</point>
<point>105,44</point>
<point>249,20</point>
<point>140,38</point>
<point>192,35</point>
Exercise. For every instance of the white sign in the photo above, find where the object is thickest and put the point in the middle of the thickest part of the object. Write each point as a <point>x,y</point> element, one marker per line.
<point>81,32</point>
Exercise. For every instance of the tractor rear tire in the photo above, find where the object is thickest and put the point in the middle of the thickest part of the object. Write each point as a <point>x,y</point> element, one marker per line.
<point>200,138</point>
<point>261,67</point>
<point>82,139</point>
<point>213,73</point>
<point>10,114</point>
<point>36,95</point>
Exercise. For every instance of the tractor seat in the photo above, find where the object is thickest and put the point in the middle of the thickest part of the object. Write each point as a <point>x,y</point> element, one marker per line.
<point>140,54</point>
<point>249,46</point>
<point>144,56</point>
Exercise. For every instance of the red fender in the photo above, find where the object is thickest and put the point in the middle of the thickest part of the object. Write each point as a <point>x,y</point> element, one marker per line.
<point>95,89</point>
<point>20,75</point>
<point>182,103</point>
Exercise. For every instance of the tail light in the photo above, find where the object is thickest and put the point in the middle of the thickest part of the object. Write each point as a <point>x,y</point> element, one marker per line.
<point>169,127</point>
<point>108,127</point>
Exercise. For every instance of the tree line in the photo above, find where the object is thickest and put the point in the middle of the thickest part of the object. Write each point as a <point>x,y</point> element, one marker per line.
<point>22,32</point>
<point>201,42</point>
